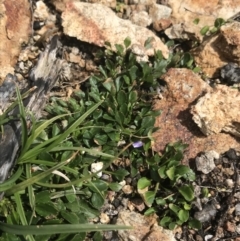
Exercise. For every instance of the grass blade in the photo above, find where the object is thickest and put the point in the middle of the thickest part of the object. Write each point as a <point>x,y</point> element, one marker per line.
<point>21,213</point>
<point>11,181</point>
<point>73,126</point>
<point>62,228</point>
<point>34,179</point>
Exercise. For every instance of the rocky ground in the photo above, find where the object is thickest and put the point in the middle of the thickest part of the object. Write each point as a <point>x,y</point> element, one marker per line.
<point>200,109</point>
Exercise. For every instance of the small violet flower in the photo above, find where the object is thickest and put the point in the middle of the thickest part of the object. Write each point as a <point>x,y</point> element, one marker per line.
<point>137,144</point>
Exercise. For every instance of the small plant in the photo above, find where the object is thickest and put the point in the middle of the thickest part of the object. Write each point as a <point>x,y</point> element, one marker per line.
<point>111,120</point>
<point>207,30</point>
<point>167,189</point>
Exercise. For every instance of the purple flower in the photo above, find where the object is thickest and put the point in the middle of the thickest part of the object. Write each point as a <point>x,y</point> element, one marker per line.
<point>137,144</point>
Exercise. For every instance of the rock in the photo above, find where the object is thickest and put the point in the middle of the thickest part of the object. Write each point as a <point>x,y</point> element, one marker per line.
<point>230,73</point>
<point>158,11</point>
<point>230,227</point>
<point>108,3</point>
<point>104,218</point>
<point>41,12</point>
<point>15,15</point>
<point>83,21</point>
<point>205,163</point>
<point>96,168</point>
<point>127,189</point>
<point>144,228</point>
<point>218,111</point>
<point>160,16</point>
<point>219,50</point>
<point>186,11</point>
<point>175,122</point>
<point>59,4</point>
<point>207,213</point>
<point>140,18</point>
<point>162,24</point>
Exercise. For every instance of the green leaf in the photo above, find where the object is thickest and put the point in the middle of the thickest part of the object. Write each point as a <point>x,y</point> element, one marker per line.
<point>43,197</point>
<point>194,223</point>
<point>97,200</point>
<point>121,97</point>
<point>114,186</point>
<point>148,43</point>
<point>119,49</point>
<point>204,30</point>
<point>182,170</point>
<point>100,139</point>
<point>120,174</point>
<point>174,208</point>
<point>213,30</point>
<point>133,72</point>
<point>143,183</point>
<point>183,215</point>
<point>149,197</point>
<point>149,211</point>
<point>196,21</point>
<point>160,201</point>
<point>97,236</point>
<point>133,97</point>
<point>108,84</point>
<point>171,173</point>
<point>79,237</point>
<point>127,42</point>
<point>98,185</point>
<point>147,122</point>
<point>70,217</point>
<point>161,172</point>
<point>187,192</point>
<point>172,225</point>
<point>46,209</point>
<point>165,221</point>
<point>219,22</point>
<point>187,60</point>
<point>197,69</point>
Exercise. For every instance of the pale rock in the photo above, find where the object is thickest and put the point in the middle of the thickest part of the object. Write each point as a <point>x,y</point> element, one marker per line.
<point>218,111</point>
<point>96,168</point>
<point>186,11</point>
<point>142,2</point>
<point>127,189</point>
<point>158,11</point>
<point>205,162</point>
<point>183,89</point>
<point>41,12</point>
<point>108,3</point>
<point>96,24</point>
<point>74,58</point>
<point>219,50</point>
<point>140,18</point>
<point>15,15</point>
<point>237,209</point>
<point>144,227</point>
<point>229,182</point>
<point>160,16</point>
<point>104,218</point>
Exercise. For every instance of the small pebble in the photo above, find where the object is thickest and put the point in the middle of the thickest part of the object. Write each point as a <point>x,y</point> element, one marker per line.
<point>104,218</point>
<point>237,209</point>
<point>127,189</point>
<point>95,167</point>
